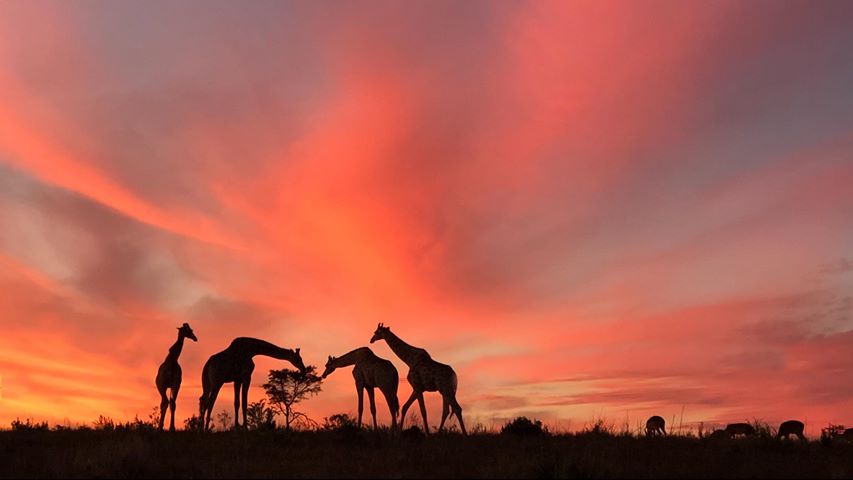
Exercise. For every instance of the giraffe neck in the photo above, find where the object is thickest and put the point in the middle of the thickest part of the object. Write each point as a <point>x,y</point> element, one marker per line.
<point>352,358</point>
<point>251,347</point>
<point>175,349</point>
<point>407,353</point>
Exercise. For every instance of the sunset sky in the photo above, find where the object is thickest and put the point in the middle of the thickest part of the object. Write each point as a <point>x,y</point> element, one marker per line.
<point>588,209</point>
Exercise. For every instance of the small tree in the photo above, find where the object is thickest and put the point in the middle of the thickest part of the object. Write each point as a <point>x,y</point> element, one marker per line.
<point>285,388</point>
<point>259,416</point>
<point>193,424</point>
<point>224,419</point>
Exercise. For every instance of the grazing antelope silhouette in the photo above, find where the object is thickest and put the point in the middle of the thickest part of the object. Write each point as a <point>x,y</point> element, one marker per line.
<point>169,376</point>
<point>655,426</point>
<point>791,427</point>
<point>370,372</point>
<point>425,375</point>
<point>745,429</point>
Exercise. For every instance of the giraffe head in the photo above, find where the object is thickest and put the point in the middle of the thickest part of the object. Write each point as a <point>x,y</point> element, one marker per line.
<point>187,332</point>
<point>380,332</point>
<point>297,360</point>
<point>329,367</point>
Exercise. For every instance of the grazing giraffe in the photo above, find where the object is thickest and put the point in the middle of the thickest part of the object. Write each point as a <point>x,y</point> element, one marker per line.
<point>791,427</point>
<point>169,375</point>
<point>425,375</point>
<point>745,429</point>
<point>234,364</point>
<point>370,372</point>
<point>655,425</point>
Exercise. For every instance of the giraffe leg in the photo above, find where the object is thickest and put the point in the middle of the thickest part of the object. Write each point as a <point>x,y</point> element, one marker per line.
<point>164,403</point>
<point>445,412</point>
<point>360,389</point>
<point>211,401</point>
<point>457,409</point>
<point>391,400</point>
<point>245,398</point>
<point>237,406</point>
<point>406,406</point>
<point>372,405</point>
<point>423,411</point>
<point>172,401</point>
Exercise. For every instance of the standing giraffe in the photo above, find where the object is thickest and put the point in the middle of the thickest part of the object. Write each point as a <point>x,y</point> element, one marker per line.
<point>370,372</point>
<point>169,375</point>
<point>425,375</point>
<point>234,364</point>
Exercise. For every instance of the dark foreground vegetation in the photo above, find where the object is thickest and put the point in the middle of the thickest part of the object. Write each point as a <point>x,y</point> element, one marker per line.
<point>349,452</point>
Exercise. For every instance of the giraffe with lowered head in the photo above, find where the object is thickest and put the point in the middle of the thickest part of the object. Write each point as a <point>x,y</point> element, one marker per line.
<point>169,375</point>
<point>425,375</point>
<point>234,364</point>
<point>370,372</point>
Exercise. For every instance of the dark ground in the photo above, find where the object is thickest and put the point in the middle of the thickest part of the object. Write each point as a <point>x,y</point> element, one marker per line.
<point>94,453</point>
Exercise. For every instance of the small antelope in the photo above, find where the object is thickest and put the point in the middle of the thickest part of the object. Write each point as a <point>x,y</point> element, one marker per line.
<point>791,427</point>
<point>745,429</point>
<point>655,426</point>
<point>718,435</point>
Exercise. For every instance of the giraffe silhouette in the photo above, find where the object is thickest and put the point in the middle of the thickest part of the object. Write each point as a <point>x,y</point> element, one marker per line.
<point>234,364</point>
<point>370,372</point>
<point>425,375</point>
<point>169,375</point>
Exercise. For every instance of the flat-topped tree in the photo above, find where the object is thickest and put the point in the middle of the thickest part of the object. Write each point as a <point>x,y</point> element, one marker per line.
<point>234,364</point>
<point>425,375</point>
<point>370,372</point>
<point>169,376</point>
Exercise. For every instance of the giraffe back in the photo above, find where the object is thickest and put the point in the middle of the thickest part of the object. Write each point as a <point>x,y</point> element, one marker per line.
<point>431,376</point>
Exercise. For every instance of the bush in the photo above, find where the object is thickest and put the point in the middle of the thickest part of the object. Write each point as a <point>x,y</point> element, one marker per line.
<point>193,424</point>
<point>523,426</point>
<point>28,425</point>
<point>339,422</point>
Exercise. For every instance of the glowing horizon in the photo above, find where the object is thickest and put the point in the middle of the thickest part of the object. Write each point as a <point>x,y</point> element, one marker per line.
<point>586,208</point>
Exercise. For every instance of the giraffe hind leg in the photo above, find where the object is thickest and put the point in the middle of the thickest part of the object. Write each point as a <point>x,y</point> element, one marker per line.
<point>457,409</point>
<point>445,412</point>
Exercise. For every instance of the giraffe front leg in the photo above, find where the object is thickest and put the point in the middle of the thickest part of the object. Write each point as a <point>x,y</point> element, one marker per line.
<point>172,401</point>
<point>164,403</point>
<point>360,403</point>
<point>245,396</point>
<point>406,408</point>
<point>237,407</point>
<point>372,405</point>
<point>423,411</point>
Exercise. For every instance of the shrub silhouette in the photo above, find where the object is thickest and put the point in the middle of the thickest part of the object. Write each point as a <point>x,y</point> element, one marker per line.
<point>339,422</point>
<point>259,416</point>
<point>28,425</point>
<point>523,426</point>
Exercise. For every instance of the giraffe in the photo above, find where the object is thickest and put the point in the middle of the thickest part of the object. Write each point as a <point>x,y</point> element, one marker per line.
<point>234,364</point>
<point>169,375</point>
<point>370,372</point>
<point>425,375</point>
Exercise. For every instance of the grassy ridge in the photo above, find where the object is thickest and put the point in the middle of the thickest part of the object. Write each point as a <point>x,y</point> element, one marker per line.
<point>127,453</point>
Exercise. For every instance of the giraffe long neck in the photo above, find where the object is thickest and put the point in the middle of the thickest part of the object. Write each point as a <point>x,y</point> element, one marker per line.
<point>407,353</point>
<point>351,358</point>
<point>252,346</point>
<point>175,349</point>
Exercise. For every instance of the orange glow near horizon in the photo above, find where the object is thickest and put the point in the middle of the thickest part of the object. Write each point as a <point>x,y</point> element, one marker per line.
<point>588,209</point>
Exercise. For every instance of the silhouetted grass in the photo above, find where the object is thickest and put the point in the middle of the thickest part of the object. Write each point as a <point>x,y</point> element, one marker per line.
<point>123,453</point>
